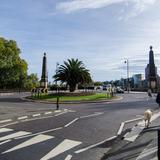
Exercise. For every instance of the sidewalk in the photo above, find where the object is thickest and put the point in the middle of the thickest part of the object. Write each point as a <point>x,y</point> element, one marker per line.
<point>144,147</point>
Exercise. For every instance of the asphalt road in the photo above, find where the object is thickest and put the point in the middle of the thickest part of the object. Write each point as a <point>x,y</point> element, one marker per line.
<point>35,131</point>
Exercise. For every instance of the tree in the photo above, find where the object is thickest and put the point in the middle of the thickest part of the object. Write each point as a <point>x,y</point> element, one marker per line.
<point>97,83</point>
<point>73,72</point>
<point>13,69</point>
<point>31,81</point>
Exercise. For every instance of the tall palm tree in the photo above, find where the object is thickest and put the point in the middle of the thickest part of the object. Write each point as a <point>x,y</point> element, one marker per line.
<point>72,72</point>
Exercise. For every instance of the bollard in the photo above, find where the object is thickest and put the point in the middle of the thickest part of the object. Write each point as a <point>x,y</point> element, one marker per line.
<point>57,103</point>
<point>158,152</point>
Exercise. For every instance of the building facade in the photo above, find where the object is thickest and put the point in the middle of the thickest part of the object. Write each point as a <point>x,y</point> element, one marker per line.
<point>138,79</point>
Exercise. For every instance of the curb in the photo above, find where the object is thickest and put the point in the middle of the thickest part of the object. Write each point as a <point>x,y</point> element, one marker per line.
<point>72,102</point>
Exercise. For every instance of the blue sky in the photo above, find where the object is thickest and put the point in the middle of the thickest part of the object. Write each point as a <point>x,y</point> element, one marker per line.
<point>101,33</point>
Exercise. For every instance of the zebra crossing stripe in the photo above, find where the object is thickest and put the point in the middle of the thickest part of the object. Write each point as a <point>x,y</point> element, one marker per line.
<point>62,147</point>
<point>7,120</point>
<point>32,141</point>
<point>2,130</point>
<point>5,142</point>
<point>14,135</point>
<point>69,157</point>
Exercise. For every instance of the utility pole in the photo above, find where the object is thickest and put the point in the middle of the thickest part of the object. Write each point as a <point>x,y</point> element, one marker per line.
<point>128,84</point>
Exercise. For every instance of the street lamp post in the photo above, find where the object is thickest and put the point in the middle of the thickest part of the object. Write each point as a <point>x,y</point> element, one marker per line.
<point>128,84</point>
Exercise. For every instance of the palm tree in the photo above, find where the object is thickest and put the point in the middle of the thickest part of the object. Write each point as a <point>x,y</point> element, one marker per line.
<point>72,72</point>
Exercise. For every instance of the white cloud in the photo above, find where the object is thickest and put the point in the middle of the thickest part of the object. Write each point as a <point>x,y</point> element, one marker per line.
<point>138,6</point>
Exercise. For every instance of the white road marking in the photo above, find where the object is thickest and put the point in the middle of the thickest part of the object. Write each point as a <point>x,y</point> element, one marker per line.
<point>60,114</point>
<point>123,123</point>
<point>62,147</point>
<point>5,142</point>
<point>94,145</point>
<point>6,120</point>
<point>2,130</point>
<point>9,124</point>
<point>26,120</point>
<point>34,119</point>
<point>120,128</point>
<point>146,153</point>
<point>132,120</point>
<point>46,113</point>
<point>92,115</point>
<point>72,111</point>
<point>131,136</point>
<point>71,122</point>
<point>17,134</point>
<point>32,141</point>
<point>57,111</point>
<point>36,115</point>
<point>69,157</point>
<point>23,117</point>
<point>47,131</point>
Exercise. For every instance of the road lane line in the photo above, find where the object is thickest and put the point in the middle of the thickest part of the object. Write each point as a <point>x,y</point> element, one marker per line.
<point>95,145</point>
<point>62,147</point>
<point>46,113</point>
<point>71,122</point>
<point>27,120</point>
<point>34,134</point>
<point>60,114</point>
<point>132,120</point>
<point>9,124</point>
<point>36,115</point>
<point>14,135</point>
<point>23,117</point>
<point>121,128</point>
<point>2,130</point>
<point>6,120</point>
<point>92,115</point>
<point>5,142</point>
<point>32,141</point>
<point>57,111</point>
<point>69,157</point>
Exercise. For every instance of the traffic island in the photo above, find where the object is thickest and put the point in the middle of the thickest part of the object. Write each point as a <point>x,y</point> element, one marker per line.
<point>77,97</point>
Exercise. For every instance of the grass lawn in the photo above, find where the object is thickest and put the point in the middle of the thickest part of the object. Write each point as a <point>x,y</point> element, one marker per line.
<point>96,96</point>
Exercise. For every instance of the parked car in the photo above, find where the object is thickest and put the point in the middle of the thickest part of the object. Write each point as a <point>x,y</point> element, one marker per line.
<point>119,90</point>
<point>104,87</point>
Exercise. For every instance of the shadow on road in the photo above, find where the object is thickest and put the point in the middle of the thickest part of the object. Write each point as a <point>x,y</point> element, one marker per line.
<point>151,129</point>
<point>125,152</point>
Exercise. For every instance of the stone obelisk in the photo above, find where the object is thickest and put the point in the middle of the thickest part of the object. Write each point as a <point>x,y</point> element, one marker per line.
<point>44,77</point>
<point>151,71</point>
